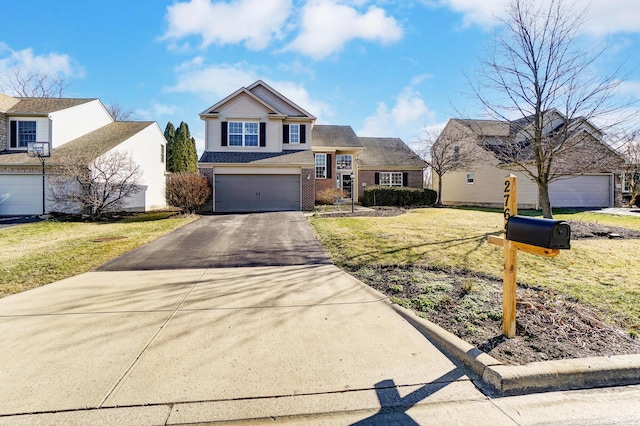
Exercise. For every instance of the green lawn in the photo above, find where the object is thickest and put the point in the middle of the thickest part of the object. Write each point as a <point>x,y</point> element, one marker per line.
<point>599,272</point>
<point>40,253</point>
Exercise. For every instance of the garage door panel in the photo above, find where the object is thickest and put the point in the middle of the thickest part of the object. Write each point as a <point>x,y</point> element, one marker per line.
<point>581,191</point>
<point>20,194</point>
<point>253,193</point>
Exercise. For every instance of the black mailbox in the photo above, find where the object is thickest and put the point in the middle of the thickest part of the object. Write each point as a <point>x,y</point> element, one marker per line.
<point>547,233</point>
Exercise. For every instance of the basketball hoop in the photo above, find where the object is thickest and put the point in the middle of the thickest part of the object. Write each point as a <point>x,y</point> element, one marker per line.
<point>38,149</point>
<point>42,150</point>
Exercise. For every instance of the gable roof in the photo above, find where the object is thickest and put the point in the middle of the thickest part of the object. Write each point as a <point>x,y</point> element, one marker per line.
<point>387,152</point>
<point>45,105</point>
<point>265,95</point>
<point>86,147</point>
<point>7,102</point>
<point>334,137</point>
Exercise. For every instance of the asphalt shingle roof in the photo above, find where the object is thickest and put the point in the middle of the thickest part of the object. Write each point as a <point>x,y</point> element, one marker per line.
<point>86,147</point>
<point>380,152</point>
<point>44,105</point>
<point>335,137</point>
<point>258,158</point>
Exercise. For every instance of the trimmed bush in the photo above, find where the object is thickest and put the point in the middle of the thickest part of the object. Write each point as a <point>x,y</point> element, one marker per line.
<point>330,196</point>
<point>400,196</point>
<point>187,191</point>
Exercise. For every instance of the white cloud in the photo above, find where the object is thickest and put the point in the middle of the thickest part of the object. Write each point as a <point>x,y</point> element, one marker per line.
<point>25,60</point>
<point>405,119</point>
<point>605,16</point>
<point>156,110</point>
<point>327,25</point>
<point>216,82</point>
<point>252,22</point>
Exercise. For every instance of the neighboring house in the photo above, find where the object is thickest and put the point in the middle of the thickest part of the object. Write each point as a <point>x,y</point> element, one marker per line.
<point>265,153</point>
<point>71,126</point>
<point>481,183</point>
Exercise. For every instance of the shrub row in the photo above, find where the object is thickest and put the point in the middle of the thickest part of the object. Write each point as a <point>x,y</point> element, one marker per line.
<point>398,196</point>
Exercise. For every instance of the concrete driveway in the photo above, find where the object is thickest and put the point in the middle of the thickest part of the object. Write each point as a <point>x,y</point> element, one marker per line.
<point>260,239</point>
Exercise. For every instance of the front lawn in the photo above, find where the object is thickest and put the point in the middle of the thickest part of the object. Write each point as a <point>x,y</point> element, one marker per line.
<point>603,273</point>
<point>40,253</point>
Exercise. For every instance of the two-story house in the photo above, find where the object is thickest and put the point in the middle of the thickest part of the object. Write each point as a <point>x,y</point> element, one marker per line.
<point>77,125</point>
<point>263,152</point>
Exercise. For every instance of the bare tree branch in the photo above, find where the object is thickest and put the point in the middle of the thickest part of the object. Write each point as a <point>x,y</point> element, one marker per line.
<point>119,113</point>
<point>37,84</point>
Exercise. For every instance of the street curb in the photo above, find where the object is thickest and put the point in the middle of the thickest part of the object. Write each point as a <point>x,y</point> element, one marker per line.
<point>567,374</point>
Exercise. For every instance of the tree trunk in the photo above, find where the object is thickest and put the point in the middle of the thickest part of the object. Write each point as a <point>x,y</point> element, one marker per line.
<point>545,203</point>
<point>439,200</point>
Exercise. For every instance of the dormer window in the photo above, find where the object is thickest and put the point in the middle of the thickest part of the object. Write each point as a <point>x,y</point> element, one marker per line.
<point>21,133</point>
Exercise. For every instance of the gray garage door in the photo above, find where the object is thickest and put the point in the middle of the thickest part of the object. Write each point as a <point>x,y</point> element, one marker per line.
<point>20,194</point>
<point>257,193</point>
<point>582,191</point>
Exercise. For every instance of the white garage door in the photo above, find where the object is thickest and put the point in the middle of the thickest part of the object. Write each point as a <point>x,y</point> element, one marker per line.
<point>581,191</point>
<point>257,193</point>
<point>20,194</point>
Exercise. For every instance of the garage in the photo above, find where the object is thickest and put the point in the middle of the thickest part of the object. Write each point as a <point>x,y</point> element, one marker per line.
<point>20,194</point>
<point>257,193</point>
<point>581,191</point>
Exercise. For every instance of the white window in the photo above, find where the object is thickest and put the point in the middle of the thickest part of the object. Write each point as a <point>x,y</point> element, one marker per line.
<point>162,153</point>
<point>22,132</point>
<point>390,179</point>
<point>470,178</point>
<point>344,162</point>
<point>243,133</point>
<point>321,166</point>
<point>294,133</point>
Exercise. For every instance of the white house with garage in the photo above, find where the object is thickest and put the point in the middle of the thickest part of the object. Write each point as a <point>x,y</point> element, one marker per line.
<point>590,169</point>
<point>70,125</point>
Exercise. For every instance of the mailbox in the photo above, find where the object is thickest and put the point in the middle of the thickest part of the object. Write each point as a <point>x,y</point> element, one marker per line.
<point>547,233</point>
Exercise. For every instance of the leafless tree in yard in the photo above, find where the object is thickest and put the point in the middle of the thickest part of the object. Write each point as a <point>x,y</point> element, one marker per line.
<point>536,69</point>
<point>94,186</point>
<point>119,113</point>
<point>631,152</point>
<point>37,84</point>
<point>446,152</point>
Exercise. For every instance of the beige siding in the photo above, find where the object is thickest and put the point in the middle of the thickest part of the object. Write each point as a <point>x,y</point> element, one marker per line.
<point>253,170</point>
<point>487,189</point>
<point>274,100</point>
<point>71,123</point>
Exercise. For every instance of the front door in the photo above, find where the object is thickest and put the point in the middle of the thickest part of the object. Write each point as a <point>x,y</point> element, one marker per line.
<point>345,184</point>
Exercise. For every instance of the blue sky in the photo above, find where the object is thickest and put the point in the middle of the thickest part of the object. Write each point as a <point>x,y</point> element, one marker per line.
<point>387,68</point>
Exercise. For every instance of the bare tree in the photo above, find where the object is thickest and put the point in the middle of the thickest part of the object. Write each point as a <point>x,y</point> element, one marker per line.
<point>539,80</point>
<point>447,151</point>
<point>97,186</point>
<point>632,170</point>
<point>119,113</point>
<point>37,84</point>
<point>188,191</point>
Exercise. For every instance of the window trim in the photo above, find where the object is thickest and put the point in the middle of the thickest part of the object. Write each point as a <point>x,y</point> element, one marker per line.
<point>471,178</point>
<point>390,176</point>
<point>293,134</point>
<point>15,137</point>
<point>324,174</point>
<point>350,166</point>
<point>243,134</point>
<point>162,153</point>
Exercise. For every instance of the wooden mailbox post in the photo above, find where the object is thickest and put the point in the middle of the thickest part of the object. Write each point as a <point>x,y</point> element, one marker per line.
<point>510,257</point>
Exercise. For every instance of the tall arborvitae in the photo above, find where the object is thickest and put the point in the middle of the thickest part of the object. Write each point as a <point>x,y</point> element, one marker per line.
<point>170,136</point>
<point>181,149</point>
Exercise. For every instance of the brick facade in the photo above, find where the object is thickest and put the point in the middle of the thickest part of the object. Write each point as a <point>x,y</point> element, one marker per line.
<point>414,179</point>
<point>308,189</point>
<point>329,182</point>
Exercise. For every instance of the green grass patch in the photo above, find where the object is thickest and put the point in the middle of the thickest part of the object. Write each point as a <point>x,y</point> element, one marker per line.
<point>39,253</point>
<point>599,272</point>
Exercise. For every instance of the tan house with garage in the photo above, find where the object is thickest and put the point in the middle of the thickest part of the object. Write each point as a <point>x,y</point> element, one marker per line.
<point>265,153</point>
<point>589,170</point>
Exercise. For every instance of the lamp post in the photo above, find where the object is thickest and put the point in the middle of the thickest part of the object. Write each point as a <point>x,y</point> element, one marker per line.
<point>352,197</point>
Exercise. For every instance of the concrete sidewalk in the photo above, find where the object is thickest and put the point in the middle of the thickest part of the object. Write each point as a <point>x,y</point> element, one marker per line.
<point>295,344</point>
